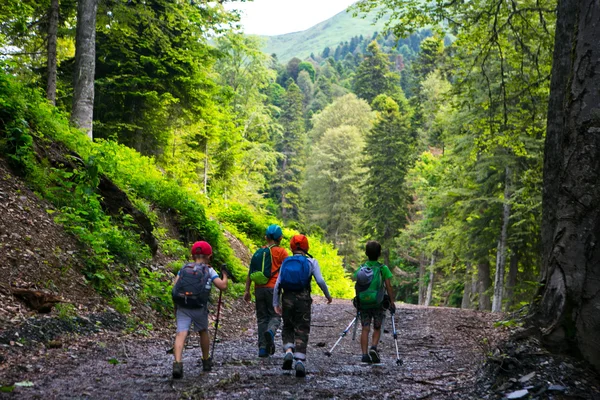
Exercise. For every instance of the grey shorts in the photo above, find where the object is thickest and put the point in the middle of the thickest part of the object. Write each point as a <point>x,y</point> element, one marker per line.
<point>186,317</point>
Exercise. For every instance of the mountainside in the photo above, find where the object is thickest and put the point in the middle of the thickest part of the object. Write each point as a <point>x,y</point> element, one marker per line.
<point>331,32</point>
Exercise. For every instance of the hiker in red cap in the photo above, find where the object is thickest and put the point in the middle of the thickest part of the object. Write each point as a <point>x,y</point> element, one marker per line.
<point>294,279</point>
<point>191,291</point>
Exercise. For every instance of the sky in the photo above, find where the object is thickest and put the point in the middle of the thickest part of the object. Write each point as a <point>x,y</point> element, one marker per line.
<point>276,17</point>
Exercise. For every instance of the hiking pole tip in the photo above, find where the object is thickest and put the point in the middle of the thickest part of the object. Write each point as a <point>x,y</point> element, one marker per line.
<point>328,353</point>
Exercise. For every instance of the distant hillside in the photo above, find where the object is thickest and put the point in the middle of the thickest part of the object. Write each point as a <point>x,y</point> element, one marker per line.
<point>329,33</point>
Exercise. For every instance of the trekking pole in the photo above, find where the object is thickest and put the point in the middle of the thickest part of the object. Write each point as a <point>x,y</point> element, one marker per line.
<point>398,360</point>
<point>328,353</point>
<point>225,272</point>
<point>355,325</point>
<point>212,352</point>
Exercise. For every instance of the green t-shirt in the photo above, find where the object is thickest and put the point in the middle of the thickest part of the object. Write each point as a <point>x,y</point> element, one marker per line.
<point>385,271</point>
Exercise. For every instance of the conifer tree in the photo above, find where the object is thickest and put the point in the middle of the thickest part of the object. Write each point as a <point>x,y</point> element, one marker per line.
<point>374,77</point>
<point>292,147</point>
<point>388,157</point>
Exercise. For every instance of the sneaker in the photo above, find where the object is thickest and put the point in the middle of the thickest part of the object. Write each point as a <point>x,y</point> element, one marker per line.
<point>300,369</point>
<point>374,355</point>
<point>270,339</point>
<point>177,370</point>
<point>262,353</point>
<point>207,364</point>
<point>366,359</point>
<point>288,360</point>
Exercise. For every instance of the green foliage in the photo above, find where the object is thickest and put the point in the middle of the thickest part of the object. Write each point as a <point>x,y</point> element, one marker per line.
<point>156,290</point>
<point>374,77</point>
<point>121,304</point>
<point>66,311</point>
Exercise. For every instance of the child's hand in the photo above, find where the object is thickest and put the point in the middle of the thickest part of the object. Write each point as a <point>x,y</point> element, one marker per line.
<point>278,310</point>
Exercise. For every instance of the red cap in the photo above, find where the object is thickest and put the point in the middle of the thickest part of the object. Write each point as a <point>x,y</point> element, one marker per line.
<point>201,248</point>
<point>299,242</point>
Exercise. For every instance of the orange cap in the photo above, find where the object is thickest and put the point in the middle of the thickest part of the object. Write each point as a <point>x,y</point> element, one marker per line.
<point>299,242</point>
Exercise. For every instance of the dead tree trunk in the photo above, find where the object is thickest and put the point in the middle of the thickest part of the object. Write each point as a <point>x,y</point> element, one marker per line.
<point>570,295</point>
<point>52,59</point>
<point>82,114</point>
<point>501,251</point>
<point>511,280</point>
<point>484,283</point>
<point>429,295</point>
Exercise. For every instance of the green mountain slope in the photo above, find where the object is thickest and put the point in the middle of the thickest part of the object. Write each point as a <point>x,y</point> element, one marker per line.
<point>331,32</point>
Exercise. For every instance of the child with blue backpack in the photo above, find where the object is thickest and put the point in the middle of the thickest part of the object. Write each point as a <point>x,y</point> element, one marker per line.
<point>191,291</point>
<point>294,281</point>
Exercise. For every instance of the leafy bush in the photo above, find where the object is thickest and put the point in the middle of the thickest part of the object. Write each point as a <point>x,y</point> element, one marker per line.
<point>121,304</point>
<point>156,290</point>
<point>66,311</point>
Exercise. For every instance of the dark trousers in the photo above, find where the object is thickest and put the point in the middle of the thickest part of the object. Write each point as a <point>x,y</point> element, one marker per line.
<point>265,314</point>
<point>296,321</point>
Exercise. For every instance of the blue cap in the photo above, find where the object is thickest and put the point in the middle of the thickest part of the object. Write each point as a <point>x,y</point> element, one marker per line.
<point>274,232</point>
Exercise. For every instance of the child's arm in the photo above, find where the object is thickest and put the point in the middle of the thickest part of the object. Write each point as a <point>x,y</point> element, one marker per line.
<point>316,272</point>
<point>390,292</point>
<point>220,283</point>
<point>276,296</point>
<point>247,295</point>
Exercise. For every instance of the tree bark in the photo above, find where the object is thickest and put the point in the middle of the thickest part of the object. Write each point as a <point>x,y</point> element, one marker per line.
<point>466,299</point>
<point>484,283</point>
<point>511,280</point>
<point>85,64</point>
<point>570,296</point>
<point>429,295</point>
<point>52,58</point>
<point>205,178</point>
<point>501,251</point>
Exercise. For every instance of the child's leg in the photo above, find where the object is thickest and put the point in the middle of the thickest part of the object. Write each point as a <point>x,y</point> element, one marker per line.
<point>287,333</point>
<point>262,315</point>
<point>178,347</point>
<point>376,335</point>
<point>302,324</point>
<point>377,322</point>
<point>205,344</point>
<point>364,339</point>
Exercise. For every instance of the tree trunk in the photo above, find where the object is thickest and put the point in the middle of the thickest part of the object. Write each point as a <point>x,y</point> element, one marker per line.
<point>570,295</point>
<point>501,251</point>
<point>52,59</point>
<point>484,283</point>
<point>511,280</point>
<point>422,287</point>
<point>430,283</point>
<point>466,299</point>
<point>206,167</point>
<point>85,64</point>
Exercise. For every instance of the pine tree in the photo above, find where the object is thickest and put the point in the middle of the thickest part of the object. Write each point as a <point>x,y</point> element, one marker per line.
<point>292,147</point>
<point>389,156</point>
<point>374,77</point>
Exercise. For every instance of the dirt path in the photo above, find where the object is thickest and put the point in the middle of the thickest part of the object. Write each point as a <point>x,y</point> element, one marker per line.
<point>441,348</point>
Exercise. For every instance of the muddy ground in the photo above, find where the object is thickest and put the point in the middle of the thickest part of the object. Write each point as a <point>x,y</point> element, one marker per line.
<point>441,349</point>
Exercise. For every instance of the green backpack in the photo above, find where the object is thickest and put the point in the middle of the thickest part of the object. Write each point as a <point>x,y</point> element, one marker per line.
<point>369,287</point>
<point>260,266</point>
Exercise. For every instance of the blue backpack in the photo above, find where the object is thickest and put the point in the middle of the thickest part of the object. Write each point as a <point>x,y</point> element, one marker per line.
<point>294,274</point>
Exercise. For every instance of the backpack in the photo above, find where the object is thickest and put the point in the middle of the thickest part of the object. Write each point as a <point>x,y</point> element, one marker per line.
<point>192,289</point>
<point>260,266</point>
<point>370,286</point>
<point>295,273</point>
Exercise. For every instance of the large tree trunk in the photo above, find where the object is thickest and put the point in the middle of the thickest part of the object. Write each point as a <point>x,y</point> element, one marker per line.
<point>484,283</point>
<point>501,251</point>
<point>511,280</point>
<point>466,299</point>
<point>429,295</point>
<point>568,309</point>
<point>52,59</point>
<point>85,65</point>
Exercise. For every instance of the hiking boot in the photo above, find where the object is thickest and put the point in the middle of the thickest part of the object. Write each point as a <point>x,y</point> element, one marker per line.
<point>374,355</point>
<point>177,370</point>
<point>207,364</point>
<point>262,353</point>
<point>300,369</point>
<point>288,360</point>
<point>270,339</point>
<point>366,359</point>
